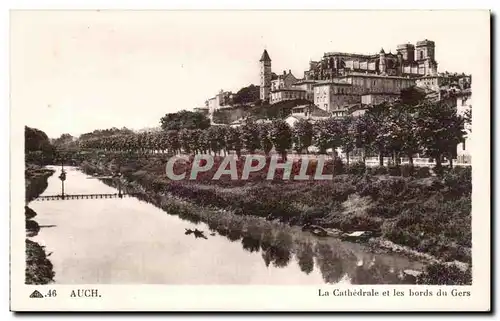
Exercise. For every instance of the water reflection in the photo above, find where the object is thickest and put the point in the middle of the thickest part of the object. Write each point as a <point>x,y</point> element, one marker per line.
<point>197,233</point>
<point>279,244</point>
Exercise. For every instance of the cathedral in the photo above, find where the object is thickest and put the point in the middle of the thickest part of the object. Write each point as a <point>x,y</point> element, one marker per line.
<point>409,62</point>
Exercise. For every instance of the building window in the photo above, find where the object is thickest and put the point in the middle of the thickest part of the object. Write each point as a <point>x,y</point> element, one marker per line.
<point>463,145</point>
<point>421,55</point>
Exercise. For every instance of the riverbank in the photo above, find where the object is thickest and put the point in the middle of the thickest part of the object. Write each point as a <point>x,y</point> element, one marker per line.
<point>427,218</point>
<point>39,269</point>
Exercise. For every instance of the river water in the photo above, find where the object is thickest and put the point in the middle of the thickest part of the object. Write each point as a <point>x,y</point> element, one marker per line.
<point>128,241</point>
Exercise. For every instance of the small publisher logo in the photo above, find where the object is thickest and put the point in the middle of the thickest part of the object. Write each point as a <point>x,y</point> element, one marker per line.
<point>36,294</point>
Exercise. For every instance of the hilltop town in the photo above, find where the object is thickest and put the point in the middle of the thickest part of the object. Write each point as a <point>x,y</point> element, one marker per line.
<point>340,85</point>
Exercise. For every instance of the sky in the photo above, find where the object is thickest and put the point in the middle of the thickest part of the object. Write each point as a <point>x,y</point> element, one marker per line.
<point>77,71</point>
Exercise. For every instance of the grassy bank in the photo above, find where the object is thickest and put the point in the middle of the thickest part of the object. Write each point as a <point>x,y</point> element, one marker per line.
<point>35,180</point>
<point>39,269</point>
<point>426,214</point>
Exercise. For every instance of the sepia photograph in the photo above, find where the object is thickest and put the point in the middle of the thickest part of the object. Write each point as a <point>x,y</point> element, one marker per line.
<point>331,149</point>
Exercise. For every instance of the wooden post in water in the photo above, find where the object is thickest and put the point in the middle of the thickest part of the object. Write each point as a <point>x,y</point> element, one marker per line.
<point>120,195</point>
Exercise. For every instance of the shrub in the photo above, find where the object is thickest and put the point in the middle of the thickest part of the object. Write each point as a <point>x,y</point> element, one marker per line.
<point>394,170</point>
<point>407,170</point>
<point>441,274</point>
<point>422,172</point>
<point>338,166</point>
<point>383,211</point>
<point>380,170</point>
<point>459,181</point>
<point>358,168</point>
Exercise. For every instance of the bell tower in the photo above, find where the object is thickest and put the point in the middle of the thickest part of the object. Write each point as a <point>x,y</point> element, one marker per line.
<point>265,76</point>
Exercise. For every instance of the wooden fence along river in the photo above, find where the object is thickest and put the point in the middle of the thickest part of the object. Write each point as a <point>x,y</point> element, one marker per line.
<point>63,196</point>
<point>80,196</point>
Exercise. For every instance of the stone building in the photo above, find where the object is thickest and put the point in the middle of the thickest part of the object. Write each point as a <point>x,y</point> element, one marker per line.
<point>378,98</point>
<point>409,60</point>
<point>369,84</point>
<point>223,99</point>
<point>307,86</point>
<point>284,81</point>
<point>287,94</point>
<point>334,96</point>
<point>282,88</point>
<point>202,110</point>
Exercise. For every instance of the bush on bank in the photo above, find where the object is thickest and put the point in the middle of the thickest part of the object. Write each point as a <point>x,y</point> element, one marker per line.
<point>39,269</point>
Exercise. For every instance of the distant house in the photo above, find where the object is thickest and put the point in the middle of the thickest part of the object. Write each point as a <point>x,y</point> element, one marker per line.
<point>201,110</point>
<point>357,110</point>
<point>309,112</point>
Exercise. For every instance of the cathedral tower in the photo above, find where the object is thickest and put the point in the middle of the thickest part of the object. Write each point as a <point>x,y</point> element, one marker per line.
<point>426,54</point>
<point>265,76</point>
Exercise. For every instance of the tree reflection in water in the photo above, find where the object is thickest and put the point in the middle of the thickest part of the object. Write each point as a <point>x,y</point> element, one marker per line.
<point>305,257</point>
<point>373,271</point>
<point>331,264</point>
<point>277,250</point>
<point>278,242</point>
<point>250,244</point>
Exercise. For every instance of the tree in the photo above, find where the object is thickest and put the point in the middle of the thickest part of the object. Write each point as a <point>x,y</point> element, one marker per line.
<point>376,131</point>
<point>250,136</point>
<point>247,95</point>
<point>185,140</point>
<point>37,146</point>
<point>216,138</point>
<point>412,96</point>
<point>233,140</point>
<point>439,130</point>
<point>329,134</point>
<point>401,127</point>
<point>197,140</point>
<point>281,137</point>
<point>264,136</point>
<point>184,120</point>
<point>302,135</point>
<point>65,141</point>
<point>347,136</point>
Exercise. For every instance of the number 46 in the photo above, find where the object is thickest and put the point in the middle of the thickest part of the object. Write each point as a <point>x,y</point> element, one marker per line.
<point>51,293</point>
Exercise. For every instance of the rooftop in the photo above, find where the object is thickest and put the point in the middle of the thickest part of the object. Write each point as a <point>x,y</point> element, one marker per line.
<point>265,56</point>
<point>287,89</point>
<point>332,83</point>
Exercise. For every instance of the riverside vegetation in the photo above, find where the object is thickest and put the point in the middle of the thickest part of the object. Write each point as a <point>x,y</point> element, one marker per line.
<point>39,269</point>
<point>424,213</point>
<point>38,152</point>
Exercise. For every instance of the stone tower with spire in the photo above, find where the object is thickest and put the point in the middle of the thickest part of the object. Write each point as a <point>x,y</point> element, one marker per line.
<point>265,76</point>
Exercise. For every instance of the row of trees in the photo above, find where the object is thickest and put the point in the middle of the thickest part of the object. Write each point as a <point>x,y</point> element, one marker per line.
<point>396,130</point>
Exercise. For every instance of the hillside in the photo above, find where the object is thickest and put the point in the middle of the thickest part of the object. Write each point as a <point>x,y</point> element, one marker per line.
<point>269,111</point>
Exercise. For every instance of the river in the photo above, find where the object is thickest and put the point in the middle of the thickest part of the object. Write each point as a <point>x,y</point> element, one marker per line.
<point>128,241</point>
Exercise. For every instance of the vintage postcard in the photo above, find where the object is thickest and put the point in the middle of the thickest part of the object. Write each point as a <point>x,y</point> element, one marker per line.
<point>250,160</point>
